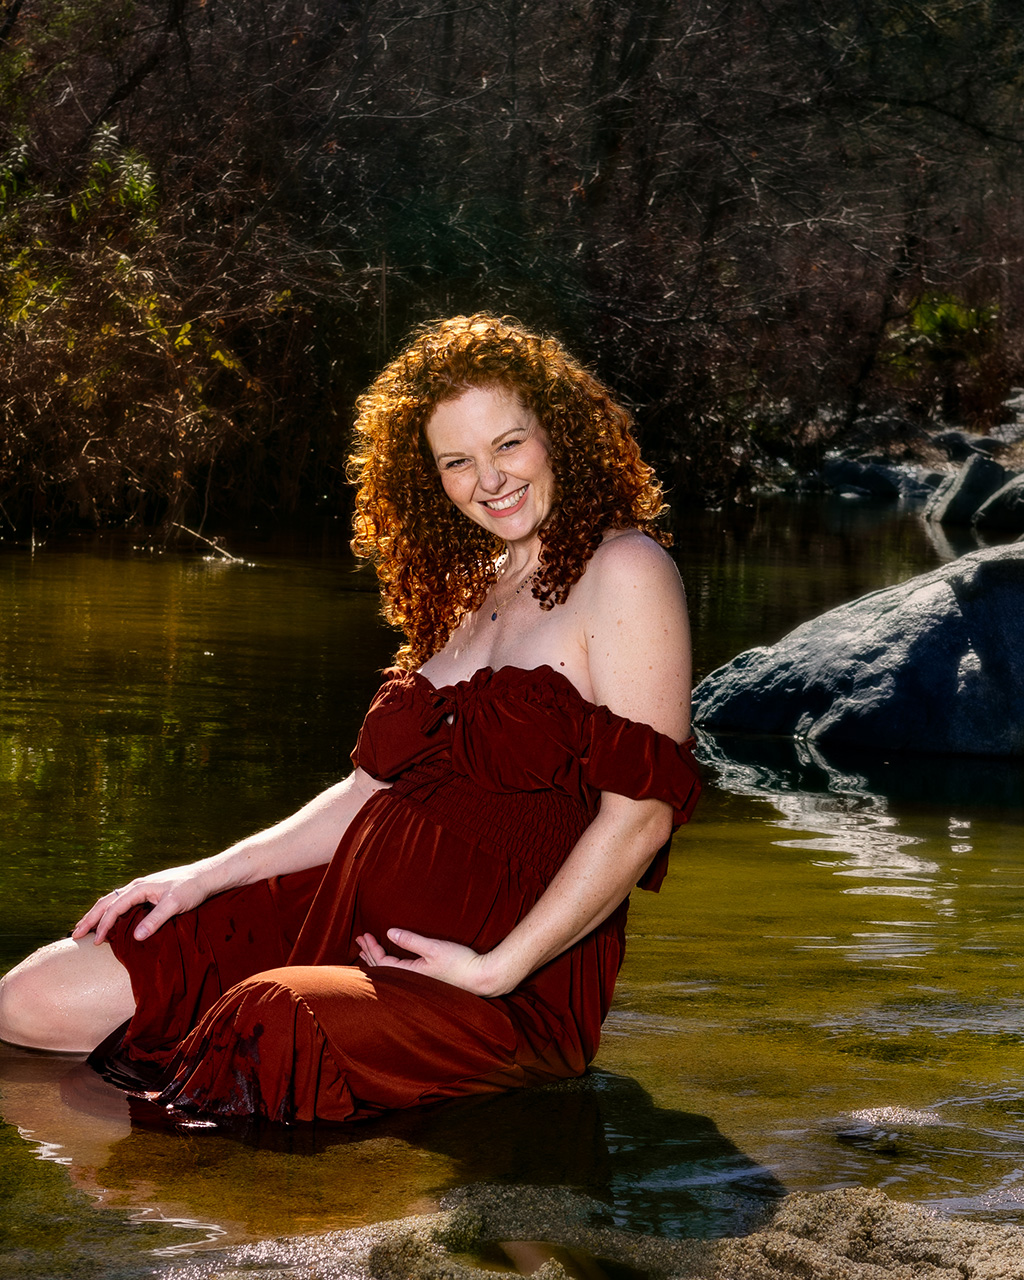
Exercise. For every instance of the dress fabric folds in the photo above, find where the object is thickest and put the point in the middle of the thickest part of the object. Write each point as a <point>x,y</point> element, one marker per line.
<point>255,1003</point>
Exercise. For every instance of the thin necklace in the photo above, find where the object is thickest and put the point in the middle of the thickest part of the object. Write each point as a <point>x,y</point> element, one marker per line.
<point>512,595</point>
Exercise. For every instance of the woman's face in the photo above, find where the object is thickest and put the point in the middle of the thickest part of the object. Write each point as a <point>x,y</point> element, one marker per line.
<point>492,455</point>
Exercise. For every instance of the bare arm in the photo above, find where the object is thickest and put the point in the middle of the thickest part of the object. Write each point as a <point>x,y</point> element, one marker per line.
<point>308,838</point>
<point>639,658</point>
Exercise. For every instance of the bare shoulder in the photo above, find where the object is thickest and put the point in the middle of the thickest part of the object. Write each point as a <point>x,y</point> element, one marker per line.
<point>637,633</point>
<point>628,556</point>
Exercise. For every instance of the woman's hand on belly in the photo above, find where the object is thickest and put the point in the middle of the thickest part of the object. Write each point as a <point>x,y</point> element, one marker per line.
<point>446,961</point>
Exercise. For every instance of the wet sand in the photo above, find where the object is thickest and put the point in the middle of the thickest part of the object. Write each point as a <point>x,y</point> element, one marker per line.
<point>851,1234</point>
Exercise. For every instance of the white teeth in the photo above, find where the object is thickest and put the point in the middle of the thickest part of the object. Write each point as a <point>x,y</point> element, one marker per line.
<point>502,504</point>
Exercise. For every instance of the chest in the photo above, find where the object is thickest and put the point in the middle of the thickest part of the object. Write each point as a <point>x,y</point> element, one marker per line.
<point>522,635</point>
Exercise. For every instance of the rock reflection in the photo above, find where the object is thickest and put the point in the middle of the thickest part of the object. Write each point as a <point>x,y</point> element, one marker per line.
<point>858,806</point>
<point>951,541</point>
<point>813,794</point>
<point>848,791</point>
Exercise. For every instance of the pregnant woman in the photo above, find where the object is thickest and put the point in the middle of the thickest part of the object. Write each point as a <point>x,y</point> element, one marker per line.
<point>449,919</point>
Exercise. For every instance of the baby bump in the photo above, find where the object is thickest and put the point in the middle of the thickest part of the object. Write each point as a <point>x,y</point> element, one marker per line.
<point>400,867</point>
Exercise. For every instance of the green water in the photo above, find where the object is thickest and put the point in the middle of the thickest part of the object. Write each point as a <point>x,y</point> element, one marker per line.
<point>827,991</point>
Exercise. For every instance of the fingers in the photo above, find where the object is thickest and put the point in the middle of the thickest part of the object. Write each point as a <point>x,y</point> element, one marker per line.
<point>163,909</point>
<point>168,892</point>
<point>85,925</point>
<point>102,915</point>
<point>373,954</point>
<point>121,900</point>
<point>370,950</point>
<point>414,942</point>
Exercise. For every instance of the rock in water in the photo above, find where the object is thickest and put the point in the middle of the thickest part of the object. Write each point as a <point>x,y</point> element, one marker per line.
<point>873,478</point>
<point>957,445</point>
<point>956,500</point>
<point>935,664</point>
<point>1005,509</point>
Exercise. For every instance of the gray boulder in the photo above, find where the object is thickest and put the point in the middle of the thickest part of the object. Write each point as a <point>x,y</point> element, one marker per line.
<point>935,664</point>
<point>957,498</point>
<point>1005,509</point>
<point>991,445</point>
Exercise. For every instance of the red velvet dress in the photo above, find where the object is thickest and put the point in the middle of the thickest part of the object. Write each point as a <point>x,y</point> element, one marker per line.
<point>255,1003</point>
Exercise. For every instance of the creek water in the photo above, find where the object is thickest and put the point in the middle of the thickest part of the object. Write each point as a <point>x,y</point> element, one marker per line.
<point>827,991</point>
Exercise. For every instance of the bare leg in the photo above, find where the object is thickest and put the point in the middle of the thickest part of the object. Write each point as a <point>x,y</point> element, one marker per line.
<point>67,996</point>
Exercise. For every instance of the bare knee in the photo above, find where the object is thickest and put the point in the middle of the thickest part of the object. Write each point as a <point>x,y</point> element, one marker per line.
<point>34,1000</point>
<point>66,996</point>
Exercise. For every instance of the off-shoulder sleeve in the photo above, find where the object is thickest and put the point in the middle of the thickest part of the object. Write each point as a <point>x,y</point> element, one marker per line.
<point>525,730</point>
<point>406,723</point>
<point>635,760</point>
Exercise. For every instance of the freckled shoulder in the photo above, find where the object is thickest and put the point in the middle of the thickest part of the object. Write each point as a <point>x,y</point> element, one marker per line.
<point>637,635</point>
<point>628,558</point>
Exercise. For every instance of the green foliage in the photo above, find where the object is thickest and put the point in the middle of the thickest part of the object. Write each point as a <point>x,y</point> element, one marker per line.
<point>947,328</point>
<point>933,348</point>
<point>131,373</point>
<point>98,406</point>
<point>117,178</point>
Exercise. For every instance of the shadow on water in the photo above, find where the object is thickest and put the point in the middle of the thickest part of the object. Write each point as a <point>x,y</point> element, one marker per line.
<point>658,1170</point>
<point>653,1169</point>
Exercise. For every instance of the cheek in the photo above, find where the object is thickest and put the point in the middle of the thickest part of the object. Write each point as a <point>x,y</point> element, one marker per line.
<point>545,474</point>
<point>541,460</point>
<point>454,486</point>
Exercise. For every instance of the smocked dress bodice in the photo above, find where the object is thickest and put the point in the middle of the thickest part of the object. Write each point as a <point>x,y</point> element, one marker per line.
<point>522,733</point>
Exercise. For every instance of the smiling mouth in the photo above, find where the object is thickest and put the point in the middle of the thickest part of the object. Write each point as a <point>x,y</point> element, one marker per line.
<point>503,504</point>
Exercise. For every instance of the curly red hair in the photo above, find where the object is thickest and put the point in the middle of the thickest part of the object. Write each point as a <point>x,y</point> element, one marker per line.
<point>434,565</point>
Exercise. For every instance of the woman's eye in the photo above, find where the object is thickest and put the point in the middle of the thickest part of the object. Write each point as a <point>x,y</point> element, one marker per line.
<point>453,462</point>
<point>509,444</point>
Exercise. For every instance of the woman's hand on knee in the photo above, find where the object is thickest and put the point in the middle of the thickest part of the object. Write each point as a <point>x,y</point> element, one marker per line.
<point>171,892</point>
<point>446,961</point>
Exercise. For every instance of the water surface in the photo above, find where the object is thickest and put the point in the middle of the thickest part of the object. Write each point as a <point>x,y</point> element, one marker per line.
<point>827,992</point>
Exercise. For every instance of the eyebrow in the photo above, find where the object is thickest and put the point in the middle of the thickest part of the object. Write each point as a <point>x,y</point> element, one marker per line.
<point>456,453</point>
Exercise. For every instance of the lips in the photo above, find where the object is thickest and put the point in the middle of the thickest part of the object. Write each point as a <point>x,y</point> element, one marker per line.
<point>510,503</point>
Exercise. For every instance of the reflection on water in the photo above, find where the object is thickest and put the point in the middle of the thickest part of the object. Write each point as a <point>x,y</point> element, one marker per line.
<point>827,991</point>
<point>880,783</point>
<point>861,808</point>
<point>653,1169</point>
<point>836,804</point>
<point>838,814</point>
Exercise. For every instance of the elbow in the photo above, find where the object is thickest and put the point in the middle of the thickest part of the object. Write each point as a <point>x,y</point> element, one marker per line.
<point>657,829</point>
<point>641,825</point>
<point>654,833</point>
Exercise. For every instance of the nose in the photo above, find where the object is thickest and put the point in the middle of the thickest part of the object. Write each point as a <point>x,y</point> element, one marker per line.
<point>490,478</point>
